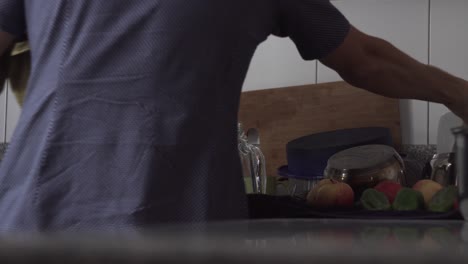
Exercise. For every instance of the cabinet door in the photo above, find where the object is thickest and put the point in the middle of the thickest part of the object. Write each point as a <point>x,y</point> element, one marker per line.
<point>405,24</point>
<point>277,63</point>
<point>449,48</point>
<point>13,111</point>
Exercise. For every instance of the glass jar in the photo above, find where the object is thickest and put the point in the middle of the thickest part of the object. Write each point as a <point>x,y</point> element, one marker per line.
<point>297,186</point>
<point>253,164</point>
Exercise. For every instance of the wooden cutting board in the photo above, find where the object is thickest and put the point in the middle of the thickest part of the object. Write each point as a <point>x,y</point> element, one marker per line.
<point>283,114</point>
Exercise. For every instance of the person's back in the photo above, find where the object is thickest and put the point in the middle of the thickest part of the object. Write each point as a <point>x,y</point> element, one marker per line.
<point>130,117</point>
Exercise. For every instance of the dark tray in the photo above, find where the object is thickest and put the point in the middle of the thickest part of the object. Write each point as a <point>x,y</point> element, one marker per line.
<point>265,207</point>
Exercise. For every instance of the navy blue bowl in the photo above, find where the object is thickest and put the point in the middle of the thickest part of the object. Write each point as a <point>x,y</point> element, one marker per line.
<point>285,172</point>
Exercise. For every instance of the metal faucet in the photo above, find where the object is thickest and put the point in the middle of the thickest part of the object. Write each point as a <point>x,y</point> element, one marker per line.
<point>461,150</point>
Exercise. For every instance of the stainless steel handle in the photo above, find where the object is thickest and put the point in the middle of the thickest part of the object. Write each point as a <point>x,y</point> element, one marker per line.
<point>461,141</point>
<point>258,170</point>
<point>403,168</point>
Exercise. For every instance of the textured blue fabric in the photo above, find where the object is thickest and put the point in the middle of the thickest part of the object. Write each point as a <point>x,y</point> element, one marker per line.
<point>130,116</point>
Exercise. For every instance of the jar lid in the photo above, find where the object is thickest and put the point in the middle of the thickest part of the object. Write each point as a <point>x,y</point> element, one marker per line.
<point>362,157</point>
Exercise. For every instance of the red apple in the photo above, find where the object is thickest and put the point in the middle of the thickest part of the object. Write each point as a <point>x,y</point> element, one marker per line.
<point>389,188</point>
<point>428,188</point>
<point>331,193</point>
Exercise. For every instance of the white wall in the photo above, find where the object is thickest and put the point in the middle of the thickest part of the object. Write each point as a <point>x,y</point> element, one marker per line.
<point>405,24</point>
<point>432,31</point>
<point>277,63</point>
<point>449,48</point>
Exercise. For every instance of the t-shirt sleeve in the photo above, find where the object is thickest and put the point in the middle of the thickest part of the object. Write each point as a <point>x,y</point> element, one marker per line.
<point>316,26</point>
<point>12,18</point>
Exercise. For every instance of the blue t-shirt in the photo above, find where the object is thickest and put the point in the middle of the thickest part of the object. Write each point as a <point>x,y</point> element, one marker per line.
<point>131,111</point>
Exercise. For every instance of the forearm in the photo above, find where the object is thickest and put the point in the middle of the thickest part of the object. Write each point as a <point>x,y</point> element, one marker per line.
<point>6,40</point>
<point>377,66</point>
<point>394,74</point>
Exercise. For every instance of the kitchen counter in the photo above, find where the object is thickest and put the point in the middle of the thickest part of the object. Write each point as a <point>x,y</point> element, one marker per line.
<point>266,241</point>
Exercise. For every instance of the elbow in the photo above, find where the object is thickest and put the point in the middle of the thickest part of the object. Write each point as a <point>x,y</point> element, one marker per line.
<point>363,61</point>
<point>363,75</point>
<point>367,65</point>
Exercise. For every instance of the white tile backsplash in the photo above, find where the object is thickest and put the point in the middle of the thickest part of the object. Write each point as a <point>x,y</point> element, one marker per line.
<point>449,48</point>
<point>277,63</point>
<point>405,24</point>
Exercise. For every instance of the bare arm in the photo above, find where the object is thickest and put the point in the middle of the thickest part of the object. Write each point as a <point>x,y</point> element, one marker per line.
<point>377,66</point>
<point>6,40</point>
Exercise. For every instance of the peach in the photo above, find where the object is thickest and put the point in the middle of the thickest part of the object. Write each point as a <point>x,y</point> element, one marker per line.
<point>331,193</point>
<point>428,188</point>
<point>312,193</point>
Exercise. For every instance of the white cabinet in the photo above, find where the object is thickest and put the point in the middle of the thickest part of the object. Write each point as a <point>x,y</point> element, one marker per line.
<point>13,111</point>
<point>277,63</point>
<point>405,24</point>
<point>449,48</point>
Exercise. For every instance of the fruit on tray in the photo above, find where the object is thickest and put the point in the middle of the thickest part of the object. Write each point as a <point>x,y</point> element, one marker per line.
<point>408,200</point>
<point>387,195</point>
<point>374,200</point>
<point>389,188</point>
<point>444,200</point>
<point>428,188</point>
<point>313,192</point>
<point>329,193</point>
